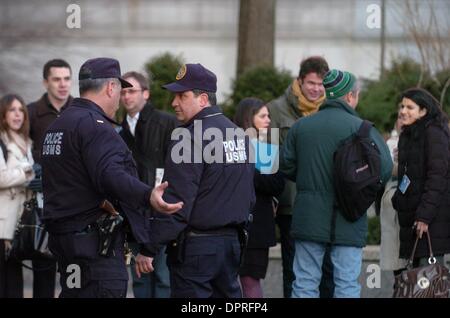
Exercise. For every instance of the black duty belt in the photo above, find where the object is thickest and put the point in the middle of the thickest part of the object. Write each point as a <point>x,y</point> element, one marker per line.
<point>224,231</point>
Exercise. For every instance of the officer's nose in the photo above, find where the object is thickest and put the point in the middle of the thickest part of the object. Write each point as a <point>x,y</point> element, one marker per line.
<point>175,101</point>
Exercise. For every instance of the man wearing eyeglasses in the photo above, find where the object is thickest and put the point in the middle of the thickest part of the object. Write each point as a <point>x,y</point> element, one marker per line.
<point>147,131</point>
<point>85,164</point>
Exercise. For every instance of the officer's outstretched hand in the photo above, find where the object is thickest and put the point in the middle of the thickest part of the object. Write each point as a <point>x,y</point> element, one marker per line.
<point>143,264</point>
<point>159,204</point>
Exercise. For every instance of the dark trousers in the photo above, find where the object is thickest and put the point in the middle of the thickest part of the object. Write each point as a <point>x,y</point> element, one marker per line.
<point>287,252</point>
<point>209,268</point>
<point>95,289</point>
<point>11,278</point>
<point>326,287</point>
<point>44,277</point>
<point>86,274</point>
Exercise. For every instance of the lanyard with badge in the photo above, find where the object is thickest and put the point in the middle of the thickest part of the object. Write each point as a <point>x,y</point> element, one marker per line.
<point>404,184</point>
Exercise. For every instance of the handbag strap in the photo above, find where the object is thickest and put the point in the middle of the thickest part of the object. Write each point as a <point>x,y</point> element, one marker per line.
<point>43,269</point>
<point>431,258</point>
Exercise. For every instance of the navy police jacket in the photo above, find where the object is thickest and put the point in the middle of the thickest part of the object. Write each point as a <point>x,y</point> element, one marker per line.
<point>213,176</point>
<point>85,161</point>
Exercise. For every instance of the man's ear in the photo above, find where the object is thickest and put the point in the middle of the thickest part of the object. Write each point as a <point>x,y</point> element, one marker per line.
<point>45,83</point>
<point>110,88</point>
<point>347,97</point>
<point>204,100</point>
<point>146,94</point>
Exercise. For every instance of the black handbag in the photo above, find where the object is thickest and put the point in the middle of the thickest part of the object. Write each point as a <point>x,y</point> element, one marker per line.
<point>30,240</point>
<point>429,281</point>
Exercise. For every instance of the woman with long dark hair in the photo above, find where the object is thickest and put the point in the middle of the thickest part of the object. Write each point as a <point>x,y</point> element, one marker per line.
<point>253,116</point>
<point>422,198</point>
<point>16,172</point>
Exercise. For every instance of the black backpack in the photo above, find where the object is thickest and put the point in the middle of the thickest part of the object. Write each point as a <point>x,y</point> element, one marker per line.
<point>357,173</point>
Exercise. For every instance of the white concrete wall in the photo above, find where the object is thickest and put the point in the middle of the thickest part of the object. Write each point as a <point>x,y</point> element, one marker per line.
<point>205,31</point>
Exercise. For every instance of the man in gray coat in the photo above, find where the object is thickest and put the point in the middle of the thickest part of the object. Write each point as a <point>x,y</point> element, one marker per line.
<point>307,158</point>
<point>302,98</point>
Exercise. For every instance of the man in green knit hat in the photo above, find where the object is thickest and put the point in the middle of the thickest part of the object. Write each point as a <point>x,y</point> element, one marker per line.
<point>307,159</point>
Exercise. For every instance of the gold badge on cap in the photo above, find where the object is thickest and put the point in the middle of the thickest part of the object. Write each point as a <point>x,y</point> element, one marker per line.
<point>181,73</point>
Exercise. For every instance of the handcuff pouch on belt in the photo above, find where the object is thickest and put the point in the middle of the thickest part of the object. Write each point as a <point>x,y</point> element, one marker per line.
<point>243,241</point>
<point>175,249</point>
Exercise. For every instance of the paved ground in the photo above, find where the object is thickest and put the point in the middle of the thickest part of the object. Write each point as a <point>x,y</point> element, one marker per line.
<point>272,285</point>
<point>381,288</point>
<point>374,282</point>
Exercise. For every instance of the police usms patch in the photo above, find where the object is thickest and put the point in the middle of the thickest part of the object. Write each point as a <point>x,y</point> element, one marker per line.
<point>181,73</point>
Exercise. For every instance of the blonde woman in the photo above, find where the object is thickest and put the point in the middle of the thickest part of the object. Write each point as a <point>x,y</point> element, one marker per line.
<point>16,171</point>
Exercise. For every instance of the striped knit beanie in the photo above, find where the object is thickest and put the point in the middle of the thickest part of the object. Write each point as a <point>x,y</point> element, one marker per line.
<point>338,83</point>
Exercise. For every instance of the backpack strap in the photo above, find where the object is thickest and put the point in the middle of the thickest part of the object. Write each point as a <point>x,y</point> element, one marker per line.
<point>4,150</point>
<point>364,129</point>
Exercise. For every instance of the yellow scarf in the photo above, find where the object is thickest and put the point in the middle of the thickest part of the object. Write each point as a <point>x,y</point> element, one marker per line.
<point>306,107</point>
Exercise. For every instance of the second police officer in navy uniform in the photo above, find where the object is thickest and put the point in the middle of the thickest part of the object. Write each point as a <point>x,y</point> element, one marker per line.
<point>218,194</point>
<point>85,162</point>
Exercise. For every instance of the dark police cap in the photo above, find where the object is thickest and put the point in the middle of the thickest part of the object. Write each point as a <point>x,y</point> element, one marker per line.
<point>102,67</point>
<point>193,76</point>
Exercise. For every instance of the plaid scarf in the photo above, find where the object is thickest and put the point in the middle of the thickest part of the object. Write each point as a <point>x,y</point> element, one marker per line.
<point>306,107</point>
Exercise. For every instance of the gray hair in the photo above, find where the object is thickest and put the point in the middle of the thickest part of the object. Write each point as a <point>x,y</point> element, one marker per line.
<point>355,88</point>
<point>94,85</point>
<point>211,96</point>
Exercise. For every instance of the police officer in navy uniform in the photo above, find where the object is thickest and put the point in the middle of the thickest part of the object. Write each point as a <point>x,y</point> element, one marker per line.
<point>216,187</point>
<point>86,162</point>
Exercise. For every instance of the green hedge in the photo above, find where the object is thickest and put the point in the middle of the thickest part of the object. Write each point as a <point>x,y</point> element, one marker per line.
<point>162,69</point>
<point>374,231</point>
<point>264,82</point>
<point>379,99</point>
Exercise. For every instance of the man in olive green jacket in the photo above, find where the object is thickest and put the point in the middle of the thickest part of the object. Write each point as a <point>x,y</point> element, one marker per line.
<point>302,98</point>
<point>307,158</point>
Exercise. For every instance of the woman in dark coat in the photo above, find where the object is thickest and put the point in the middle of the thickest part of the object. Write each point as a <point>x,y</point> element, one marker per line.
<point>422,198</point>
<point>253,113</point>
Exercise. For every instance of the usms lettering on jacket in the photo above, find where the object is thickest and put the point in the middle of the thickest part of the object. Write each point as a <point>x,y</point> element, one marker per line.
<point>52,145</point>
<point>235,150</point>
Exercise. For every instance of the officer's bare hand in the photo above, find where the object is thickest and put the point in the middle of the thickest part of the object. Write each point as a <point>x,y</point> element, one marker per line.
<point>143,264</point>
<point>159,204</point>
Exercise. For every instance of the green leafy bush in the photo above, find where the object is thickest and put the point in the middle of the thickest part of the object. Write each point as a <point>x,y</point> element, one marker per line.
<point>374,231</point>
<point>162,69</point>
<point>379,99</point>
<point>264,82</point>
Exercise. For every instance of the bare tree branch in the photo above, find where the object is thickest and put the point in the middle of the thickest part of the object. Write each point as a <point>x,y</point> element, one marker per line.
<point>430,35</point>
